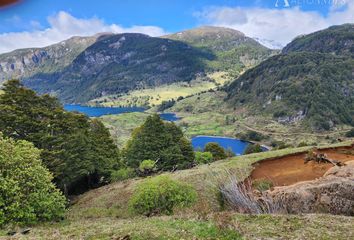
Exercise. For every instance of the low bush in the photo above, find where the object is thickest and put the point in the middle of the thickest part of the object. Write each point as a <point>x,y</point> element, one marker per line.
<point>216,150</point>
<point>203,157</point>
<point>303,144</point>
<point>253,148</point>
<point>161,195</point>
<point>147,167</point>
<point>262,184</point>
<point>252,136</point>
<point>122,174</point>
<point>350,133</point>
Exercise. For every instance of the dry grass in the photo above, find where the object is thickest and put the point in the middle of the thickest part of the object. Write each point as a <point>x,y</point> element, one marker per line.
<point>111,200</point>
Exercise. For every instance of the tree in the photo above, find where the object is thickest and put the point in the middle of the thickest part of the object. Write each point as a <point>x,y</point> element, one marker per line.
<point>253,148</point>
<point>27,194</point>
<point>161,142</point>
<point>78,151</point>
<point>216,150</point>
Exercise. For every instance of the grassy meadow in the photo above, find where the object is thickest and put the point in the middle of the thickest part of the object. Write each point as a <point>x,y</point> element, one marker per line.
<point>150,97</point>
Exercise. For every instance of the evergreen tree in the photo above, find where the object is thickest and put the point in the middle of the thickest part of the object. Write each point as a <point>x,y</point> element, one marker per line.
<point>216,150</point>
<point>161,142</point>
<point>78,151</point>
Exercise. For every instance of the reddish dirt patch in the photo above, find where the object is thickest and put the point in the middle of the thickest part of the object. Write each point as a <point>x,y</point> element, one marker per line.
<point>291,169</point>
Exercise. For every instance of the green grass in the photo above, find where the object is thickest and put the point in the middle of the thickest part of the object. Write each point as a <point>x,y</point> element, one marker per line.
<point>122,125</point>
<point>103,213</point>
<point>154,96</point>
<point>223,226</point>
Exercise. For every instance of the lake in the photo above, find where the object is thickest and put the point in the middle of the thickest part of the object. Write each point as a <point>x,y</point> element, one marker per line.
<point>235,145</point>
<point>101,111</point>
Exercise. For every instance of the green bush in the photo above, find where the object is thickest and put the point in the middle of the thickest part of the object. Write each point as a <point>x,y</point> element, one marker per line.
<point>262,184</point>
<point>161,195</point>
<point>253,148</point>
<point>27,194</point>
<point>203,157</point>
<point>303,144</point>
<point>350,133</point>
<point>147,167</point>
<point>122,174</point>
<point>215,149</point>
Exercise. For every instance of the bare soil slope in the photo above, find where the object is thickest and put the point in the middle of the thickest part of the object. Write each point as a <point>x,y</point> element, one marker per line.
<point>291,169</point>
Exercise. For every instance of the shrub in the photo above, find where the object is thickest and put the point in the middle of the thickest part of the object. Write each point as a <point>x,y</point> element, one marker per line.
<point>27,194</point>
<point>303,144</point>
<point>262,184</point>
<point>147,167</point>
<point>215,149</point>
<point>161,195</point>
<point>122,174</point>
<point>350,133</point>
<point>253,148</point>
<point>236,193</point>
<point>252,136</point>
<point>203,157</point>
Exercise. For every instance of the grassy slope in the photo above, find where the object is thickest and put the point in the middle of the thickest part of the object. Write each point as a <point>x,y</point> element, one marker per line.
<point>154,96</point>
<point>103,213</point>
<point>122,125</point>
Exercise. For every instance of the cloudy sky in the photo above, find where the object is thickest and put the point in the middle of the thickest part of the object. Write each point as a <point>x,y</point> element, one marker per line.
<point>37,23</point>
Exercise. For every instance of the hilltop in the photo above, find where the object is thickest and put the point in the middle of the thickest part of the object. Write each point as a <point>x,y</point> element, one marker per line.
<point>235,52</point>
<point>337,40</point>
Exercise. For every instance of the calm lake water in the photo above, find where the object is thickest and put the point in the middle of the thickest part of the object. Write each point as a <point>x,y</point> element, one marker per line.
<point>235,145</point>
<point>101,111</point>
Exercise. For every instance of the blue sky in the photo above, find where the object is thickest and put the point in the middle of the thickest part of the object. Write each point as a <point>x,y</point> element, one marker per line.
<point>171,15</point>
<point>55,20</point>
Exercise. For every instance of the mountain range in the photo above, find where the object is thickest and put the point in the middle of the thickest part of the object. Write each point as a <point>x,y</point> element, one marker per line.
<point>84,68</point>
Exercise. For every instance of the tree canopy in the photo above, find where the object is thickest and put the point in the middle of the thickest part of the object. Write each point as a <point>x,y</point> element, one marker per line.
<point>78,151</point>
<point>159,141</point>
<point>27,194</point>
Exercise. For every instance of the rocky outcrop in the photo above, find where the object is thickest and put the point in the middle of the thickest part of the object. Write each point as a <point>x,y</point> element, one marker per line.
<point>333,193</point>
<point>27,62</point>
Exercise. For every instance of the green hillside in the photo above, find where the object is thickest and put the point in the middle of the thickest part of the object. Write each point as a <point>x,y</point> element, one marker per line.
<point>336,40</point>
<point>119,63</point>
<point>315,88</point>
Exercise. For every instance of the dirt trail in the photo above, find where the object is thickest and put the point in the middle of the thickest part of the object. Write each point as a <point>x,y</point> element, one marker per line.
<point>291,169</point>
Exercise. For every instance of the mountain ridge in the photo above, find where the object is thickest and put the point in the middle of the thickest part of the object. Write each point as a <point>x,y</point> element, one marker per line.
<point>313,87</point>
<point>59,72</point>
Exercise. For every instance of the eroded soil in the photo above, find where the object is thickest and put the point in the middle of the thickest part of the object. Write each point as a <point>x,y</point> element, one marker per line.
<point>291,169</point>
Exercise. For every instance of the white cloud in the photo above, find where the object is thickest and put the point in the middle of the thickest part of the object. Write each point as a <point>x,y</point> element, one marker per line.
<point>281,25</point>
<point>63,26</point>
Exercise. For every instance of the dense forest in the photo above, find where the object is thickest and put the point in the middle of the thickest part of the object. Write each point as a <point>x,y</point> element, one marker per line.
<point>314,86</point>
